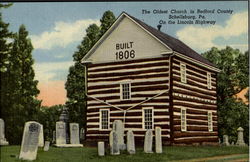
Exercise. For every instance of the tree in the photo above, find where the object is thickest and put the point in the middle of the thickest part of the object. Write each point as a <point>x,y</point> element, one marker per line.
<point>107,20</point>
<point>231,80</point>
<point>20,89</point>
<point>75,84</point>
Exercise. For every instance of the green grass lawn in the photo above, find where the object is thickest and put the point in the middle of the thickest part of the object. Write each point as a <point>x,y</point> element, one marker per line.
<point>87,154</point>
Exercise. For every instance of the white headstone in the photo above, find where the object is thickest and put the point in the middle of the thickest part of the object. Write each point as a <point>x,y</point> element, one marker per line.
<point>74,133</point>
<point>158,141</point>
<point>130,142</point>
<point>30,141</point>
<point>82,134</point>
<point>41,137</point>
<point>118,127</point>
<point>3,140</point>
<point>225,140</point>
<point>113,142</point>
<point>240,140</point>
<point>101,149</point>
<point>148,141</point>
<point>60,133</point>
<point>46,146</point>
<point>54,137</point>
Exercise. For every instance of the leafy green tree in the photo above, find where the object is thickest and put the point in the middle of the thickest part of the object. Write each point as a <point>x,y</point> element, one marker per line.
<point>75,84</point>
<point>107,20</point>
<point>20,89</point>
<point>231,80</point>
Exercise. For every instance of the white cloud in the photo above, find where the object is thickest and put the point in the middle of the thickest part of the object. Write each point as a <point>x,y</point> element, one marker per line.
<point>47,71</point>
<point>202,38</point>
<point>63,33</point>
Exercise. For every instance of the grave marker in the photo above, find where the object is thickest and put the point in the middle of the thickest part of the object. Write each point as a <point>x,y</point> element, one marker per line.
<point>148,141</point>
<point>74,133</point>
<point>30,141</point>
<point>130,142</point>
<point>3,140</point>
<point>158,141</point>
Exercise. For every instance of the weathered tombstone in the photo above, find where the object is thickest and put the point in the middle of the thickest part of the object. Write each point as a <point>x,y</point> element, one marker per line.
<point>3,140</point>
<point>41,137</point>
<point>74,133</point>
<point>158,141</point>
<point>232,144</point>
<point>60,133</point>
<point>46,146</point>
<point>113,142</point>
<point>82,134</point>
<point>240,140</point>
<point>148,141</point>
<point>101,149</point>
<point>130,142</point>
<point>54,137</point>
<point>225,140</point>
<point>30,141</point>
<point>118,127</point>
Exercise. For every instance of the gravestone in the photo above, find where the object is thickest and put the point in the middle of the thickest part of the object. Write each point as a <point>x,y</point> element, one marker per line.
<point>82,134</point>
<point>130,142</point>
<point>113,142</point>
<point>60,133</point>
<point>46,146</point>
<point>101,149</point>
<point>240,140</point>
<point>3,140</point>
<point>225,140</point>
<point>41,137</point>
<point>30,141</point>
<point>118,127</point>
<point>158,141</point>
<point>54,137</point>
<point>74,133</point>
<point>148,141</point>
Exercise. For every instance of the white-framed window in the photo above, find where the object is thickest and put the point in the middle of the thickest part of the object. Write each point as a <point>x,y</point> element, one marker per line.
<point>183,73</point>
<point>210,121</point>
<point>104,119</point>
<point>209,81</point>
<point>183,119</point>
<point>148,118</point>
<point>125,91</point>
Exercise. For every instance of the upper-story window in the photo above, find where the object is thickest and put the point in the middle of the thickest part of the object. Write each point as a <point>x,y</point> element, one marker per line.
<point>183,120</point>
<point>147,118</point>
<point>209,81</point>
<point>183,73</point>
<point>104,119</point>
<point>125,91</point>
<point>210,121</point>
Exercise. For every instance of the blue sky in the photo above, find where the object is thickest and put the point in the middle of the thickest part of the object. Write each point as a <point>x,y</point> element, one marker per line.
<point>56,28</point>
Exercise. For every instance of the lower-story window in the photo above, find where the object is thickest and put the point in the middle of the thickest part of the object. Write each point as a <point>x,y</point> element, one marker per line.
<point>147,118</point>
<point>210,121</point>
<point>183,120</point>
<point>104,119</point>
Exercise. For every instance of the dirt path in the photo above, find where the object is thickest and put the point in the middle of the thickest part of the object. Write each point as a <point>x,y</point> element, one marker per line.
<point>229,158</point>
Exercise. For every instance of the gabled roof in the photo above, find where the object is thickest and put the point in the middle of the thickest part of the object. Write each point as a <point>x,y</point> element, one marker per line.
<point>169,41</point>
<point>173,43</point>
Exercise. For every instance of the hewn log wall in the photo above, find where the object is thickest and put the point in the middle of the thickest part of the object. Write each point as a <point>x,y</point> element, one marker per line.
<point>148,77</point>
<point>197,99</point>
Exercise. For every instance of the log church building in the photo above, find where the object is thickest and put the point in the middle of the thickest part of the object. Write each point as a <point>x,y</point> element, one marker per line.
<point>146,78</point>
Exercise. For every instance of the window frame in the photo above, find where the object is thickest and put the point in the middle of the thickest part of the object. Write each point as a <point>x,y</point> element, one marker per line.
<point>210,124</point>
<point>143,117</point>
<point>209,80</point>
<point>184,72</point>
<point>100,119</point>
<point>121,90</point>
<point>185,129</point>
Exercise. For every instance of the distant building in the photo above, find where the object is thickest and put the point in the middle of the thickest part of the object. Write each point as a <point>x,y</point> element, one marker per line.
<point>146,78</point>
